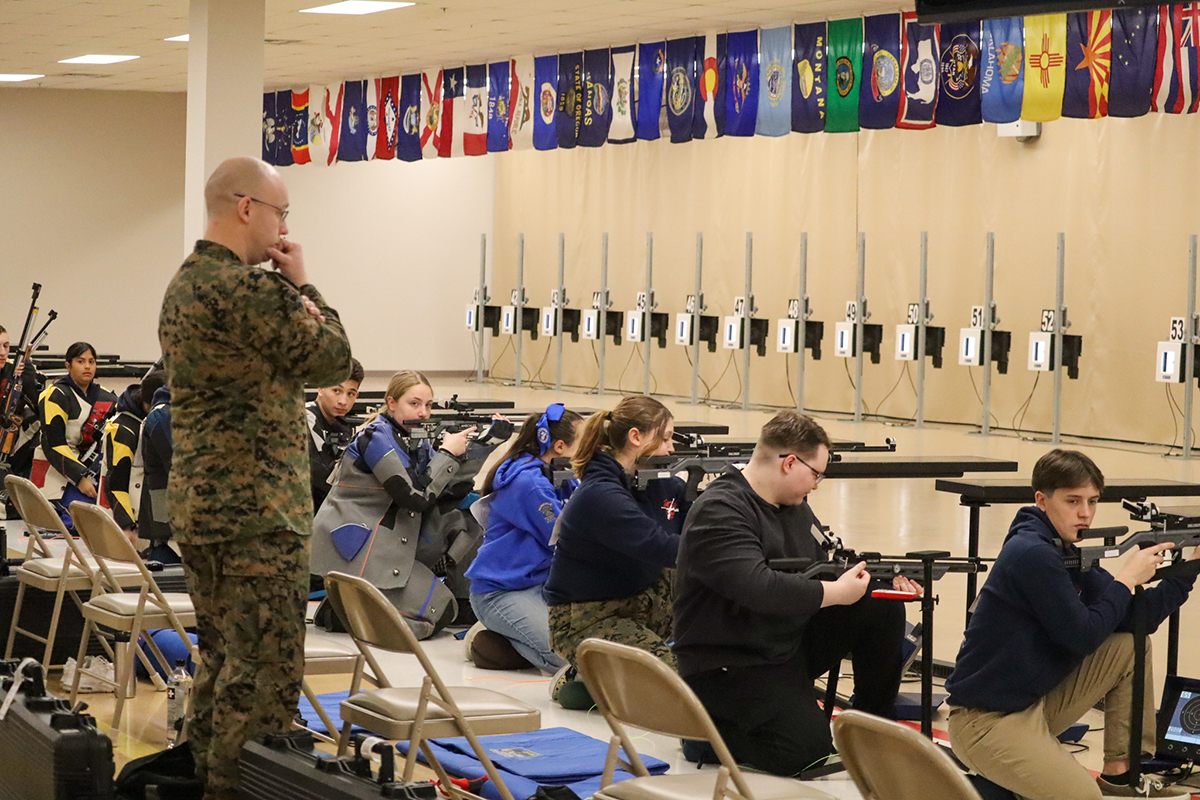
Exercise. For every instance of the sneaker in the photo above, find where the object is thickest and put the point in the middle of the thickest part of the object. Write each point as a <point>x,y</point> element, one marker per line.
<point>470,637</point>
<point>1150,786</point>
<point>565,675</point>
<point>491,650</point>
<point>94,668</point>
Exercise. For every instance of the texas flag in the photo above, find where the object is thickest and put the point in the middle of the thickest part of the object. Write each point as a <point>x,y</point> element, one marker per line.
<point>454,114</point>
<point>300,127</point>
<point>431,113</point>
<point>475,127</point>
<point>524,104</point>
<point>388,92</point>
<point>1175,79</point>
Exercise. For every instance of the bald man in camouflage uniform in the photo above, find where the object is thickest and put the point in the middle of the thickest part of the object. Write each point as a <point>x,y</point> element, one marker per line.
<point>240,344</point>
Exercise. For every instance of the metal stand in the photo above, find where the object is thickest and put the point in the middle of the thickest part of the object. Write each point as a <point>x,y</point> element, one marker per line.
<point>860,321</point>
<point>1060,327</point>
<point>989,324</point>
<point>698,309</point>
<point>483,301</point>
<point>647,323</point>
<point>750,309</point>
<point>1189,349</point>
<point>923,319</point>
<point>560,301</point>
<point>519,327</point>
<point>602,322</point>
<point>802,328</point>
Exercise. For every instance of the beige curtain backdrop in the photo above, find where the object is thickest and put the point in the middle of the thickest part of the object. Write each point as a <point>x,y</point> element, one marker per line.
<point>1123,192</point>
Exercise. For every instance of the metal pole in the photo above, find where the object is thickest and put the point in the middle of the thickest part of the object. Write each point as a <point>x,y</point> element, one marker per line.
<point>1189,352</point>
<point>520,322</point>
<point>859,324</point>
<point>603,321</point>
<point>922,320</point>
<point>646,325</point>
<point>558,309</point>
<point>1060,324</point>
<point>749,309</point>
<point>483,299</point>
<point>989,313</point>
<point>802,328</point>
<point>697,310</point>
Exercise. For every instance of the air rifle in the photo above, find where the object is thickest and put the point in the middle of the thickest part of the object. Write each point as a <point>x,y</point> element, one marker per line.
<point>10,412</point>
<point>1181,531</point>
<point>491,429</point>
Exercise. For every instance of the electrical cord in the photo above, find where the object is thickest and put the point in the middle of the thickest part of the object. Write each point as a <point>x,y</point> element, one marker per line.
<point>638,348</point>
<point>1023,409</point>
<point>899,378</point>
<point>971,373</point>
<point>720,378</point>
<point>537,375</point>
<point>849,377</point>
<point>1174,421</point>
<point>698,375</point>
<point>621,379</point>
<point>787,371</point>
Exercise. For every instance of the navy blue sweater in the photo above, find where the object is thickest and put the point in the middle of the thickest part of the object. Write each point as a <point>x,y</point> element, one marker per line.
<point>612,541</point>
<point>1036,619</point>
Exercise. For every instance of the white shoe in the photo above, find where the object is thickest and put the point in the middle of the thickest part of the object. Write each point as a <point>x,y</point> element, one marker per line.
<point>470,637</point>
<point>94,668</point>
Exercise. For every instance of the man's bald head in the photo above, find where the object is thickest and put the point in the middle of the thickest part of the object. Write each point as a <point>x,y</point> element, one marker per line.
<point>242,175</point>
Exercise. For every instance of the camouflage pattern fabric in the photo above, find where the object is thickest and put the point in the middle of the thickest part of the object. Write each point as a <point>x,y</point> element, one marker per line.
<point>250,596</point>
<point>643,620</point>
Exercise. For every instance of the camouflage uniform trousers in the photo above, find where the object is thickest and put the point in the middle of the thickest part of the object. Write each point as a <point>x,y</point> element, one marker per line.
<point>250,596</point>
<point>641,620</point>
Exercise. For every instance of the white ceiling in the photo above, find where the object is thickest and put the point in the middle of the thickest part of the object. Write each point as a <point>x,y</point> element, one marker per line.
<point>318,48</point>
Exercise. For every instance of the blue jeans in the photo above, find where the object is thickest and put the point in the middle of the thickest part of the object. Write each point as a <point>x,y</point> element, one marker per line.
<point>521,616</point>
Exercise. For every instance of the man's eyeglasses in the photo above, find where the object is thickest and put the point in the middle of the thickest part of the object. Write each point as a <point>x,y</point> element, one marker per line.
<point>282,212</point>
<point>818,476</point>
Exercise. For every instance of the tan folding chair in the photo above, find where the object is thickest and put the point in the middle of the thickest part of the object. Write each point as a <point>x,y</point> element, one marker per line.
<point>330,657</point>
<point>418,715</point>
<point>632,687</point>
<point>891,761</point>
<point>63,577</point>
<point>125,613</point>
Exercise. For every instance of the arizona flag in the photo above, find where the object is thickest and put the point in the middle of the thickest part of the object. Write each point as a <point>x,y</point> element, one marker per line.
<point>775,82</point>
<point>1175,79</point>
<point>408,134</point>
<point>621,130</point>
<point>1045,67</point>
<point>431,113</point>
<point>1003,81</point>
<point>334,97</point>
<point>808,78</point>
<point>844,57</point>
<point>741,78</point>
<point>524,104</point>
<point>681,88</point>
<point>651,89</point>
<point>879,100</point>
<point>388,117</point>
<point>1089,64</point>
<point>1134,52</point>
<point>545,88</point>
<point>300,127</point>
<point>499,106</point>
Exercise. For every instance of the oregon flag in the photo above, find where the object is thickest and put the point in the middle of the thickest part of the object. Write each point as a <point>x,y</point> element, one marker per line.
<point>844,62</point>
<point>1045,67</point>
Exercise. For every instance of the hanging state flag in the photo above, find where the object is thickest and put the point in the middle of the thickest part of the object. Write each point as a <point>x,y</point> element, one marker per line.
<point>524,104</point>
<point>283,128</point>
<point>843,54</point>
<point>741,79</point>
<point>454,113</point>
<point>621,130</point>
<point>597,112</point>
<point>879,98</point>
<point>268,128</point>
<point>682,79</point>
<point>651,88</point>
<point>431,113</point>
<point>808,78</point>
<point>1175,77</point>
<point>371,115</point>
<point>499,106</point>
<point>334,104</point>
<point>1134,54</point>
<point>476,103</point>
<point>570,98</point>
<point>1045,67</point>
<point>318,125</point>
<point>775,82</point>
<point>352,143</point>
<point>958,70</point>
<point>1003,81</point>
<point>408,131</point>
<point>1089,64</point>
<point>919,52</point>
<point>300,127</point>
<point>545,122</point>
<point>709,119</point>
<point>388,93</point>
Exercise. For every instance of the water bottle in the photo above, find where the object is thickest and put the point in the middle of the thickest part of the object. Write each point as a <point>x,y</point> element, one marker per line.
<point>179,687</point>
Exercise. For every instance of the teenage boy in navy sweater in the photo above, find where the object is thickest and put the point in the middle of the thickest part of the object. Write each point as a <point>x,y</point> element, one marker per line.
<point>1046,642</point>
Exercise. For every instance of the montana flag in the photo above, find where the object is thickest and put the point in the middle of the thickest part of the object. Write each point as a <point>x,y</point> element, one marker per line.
<point>268,128</point>
<point>300,128</point>
<point>318,125</point>
<point>774,82</point>
<point>879,98</point>
<point>524,104</point>
<point>545,83</point>
<point>334,97</point>
<point>352,143</point>
<point>283,128</point>
<point>499,106</point>
<point>843,57</point>
<point>958,71</point>
<point>1134,53</point>
<point>710,101</point>
<point>454,113</point>
<point>919,53</point>
<point>1045,67</point>
<point>1002,83</point>
<point>431,113</point>
<point>1089,64</point>
<point>570,98</point>
<point>1175,77</point>
<point>741,79</point>
<point>651,89</point>
<point>408,135</point>
<point>682,82</point>
<point>389,117</point>
<point>371,114</point>
<point>597,98</point>
<point>474,127</point>
<point>808,78</point>
<point>621,130</point>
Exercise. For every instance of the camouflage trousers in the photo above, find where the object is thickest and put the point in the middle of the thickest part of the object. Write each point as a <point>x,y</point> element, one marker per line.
<point>250,596</point>
<point>641,620</point>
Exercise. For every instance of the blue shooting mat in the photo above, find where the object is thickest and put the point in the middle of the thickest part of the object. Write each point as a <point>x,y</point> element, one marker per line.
<point>332,703</point>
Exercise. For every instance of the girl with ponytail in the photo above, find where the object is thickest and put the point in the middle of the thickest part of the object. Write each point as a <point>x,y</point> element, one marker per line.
<point>522,505</point>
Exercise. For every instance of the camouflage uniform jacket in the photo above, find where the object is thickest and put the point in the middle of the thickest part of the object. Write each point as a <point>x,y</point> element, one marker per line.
<point>239,348</point>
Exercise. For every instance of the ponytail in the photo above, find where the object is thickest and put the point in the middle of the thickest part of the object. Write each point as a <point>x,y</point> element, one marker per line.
<point>608,432</point>
<point>400,383</point>
<point>562,429</point>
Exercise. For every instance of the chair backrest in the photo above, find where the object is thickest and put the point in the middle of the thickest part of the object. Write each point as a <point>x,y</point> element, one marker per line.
<point>107,542</point>
<point>368,615</point>
<point>891,761</point>
<point>39,515</point>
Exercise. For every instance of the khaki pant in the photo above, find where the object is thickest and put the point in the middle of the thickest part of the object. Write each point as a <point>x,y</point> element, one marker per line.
<point>1019,750</point>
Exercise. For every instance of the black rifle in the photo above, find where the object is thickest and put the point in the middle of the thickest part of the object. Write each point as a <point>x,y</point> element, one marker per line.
<point>11,381</point>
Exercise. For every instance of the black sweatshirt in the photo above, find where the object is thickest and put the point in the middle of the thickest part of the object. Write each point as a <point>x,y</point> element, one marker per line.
<point>731,609</point>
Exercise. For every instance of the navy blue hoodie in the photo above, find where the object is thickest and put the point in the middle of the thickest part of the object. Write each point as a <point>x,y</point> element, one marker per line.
<point>614,542</point>
<point>1036,619</point>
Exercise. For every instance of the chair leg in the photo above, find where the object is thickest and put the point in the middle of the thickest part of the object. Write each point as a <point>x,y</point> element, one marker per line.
<point>316,704</point>
<point>124,670</point>
<point>52,633</point>
<point>16,617</point>
<point>344,739</point>
<point>87,628</point>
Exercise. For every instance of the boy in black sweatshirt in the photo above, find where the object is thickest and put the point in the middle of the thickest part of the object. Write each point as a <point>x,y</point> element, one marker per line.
<point>1046,642</point>
<point>749,639</point>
